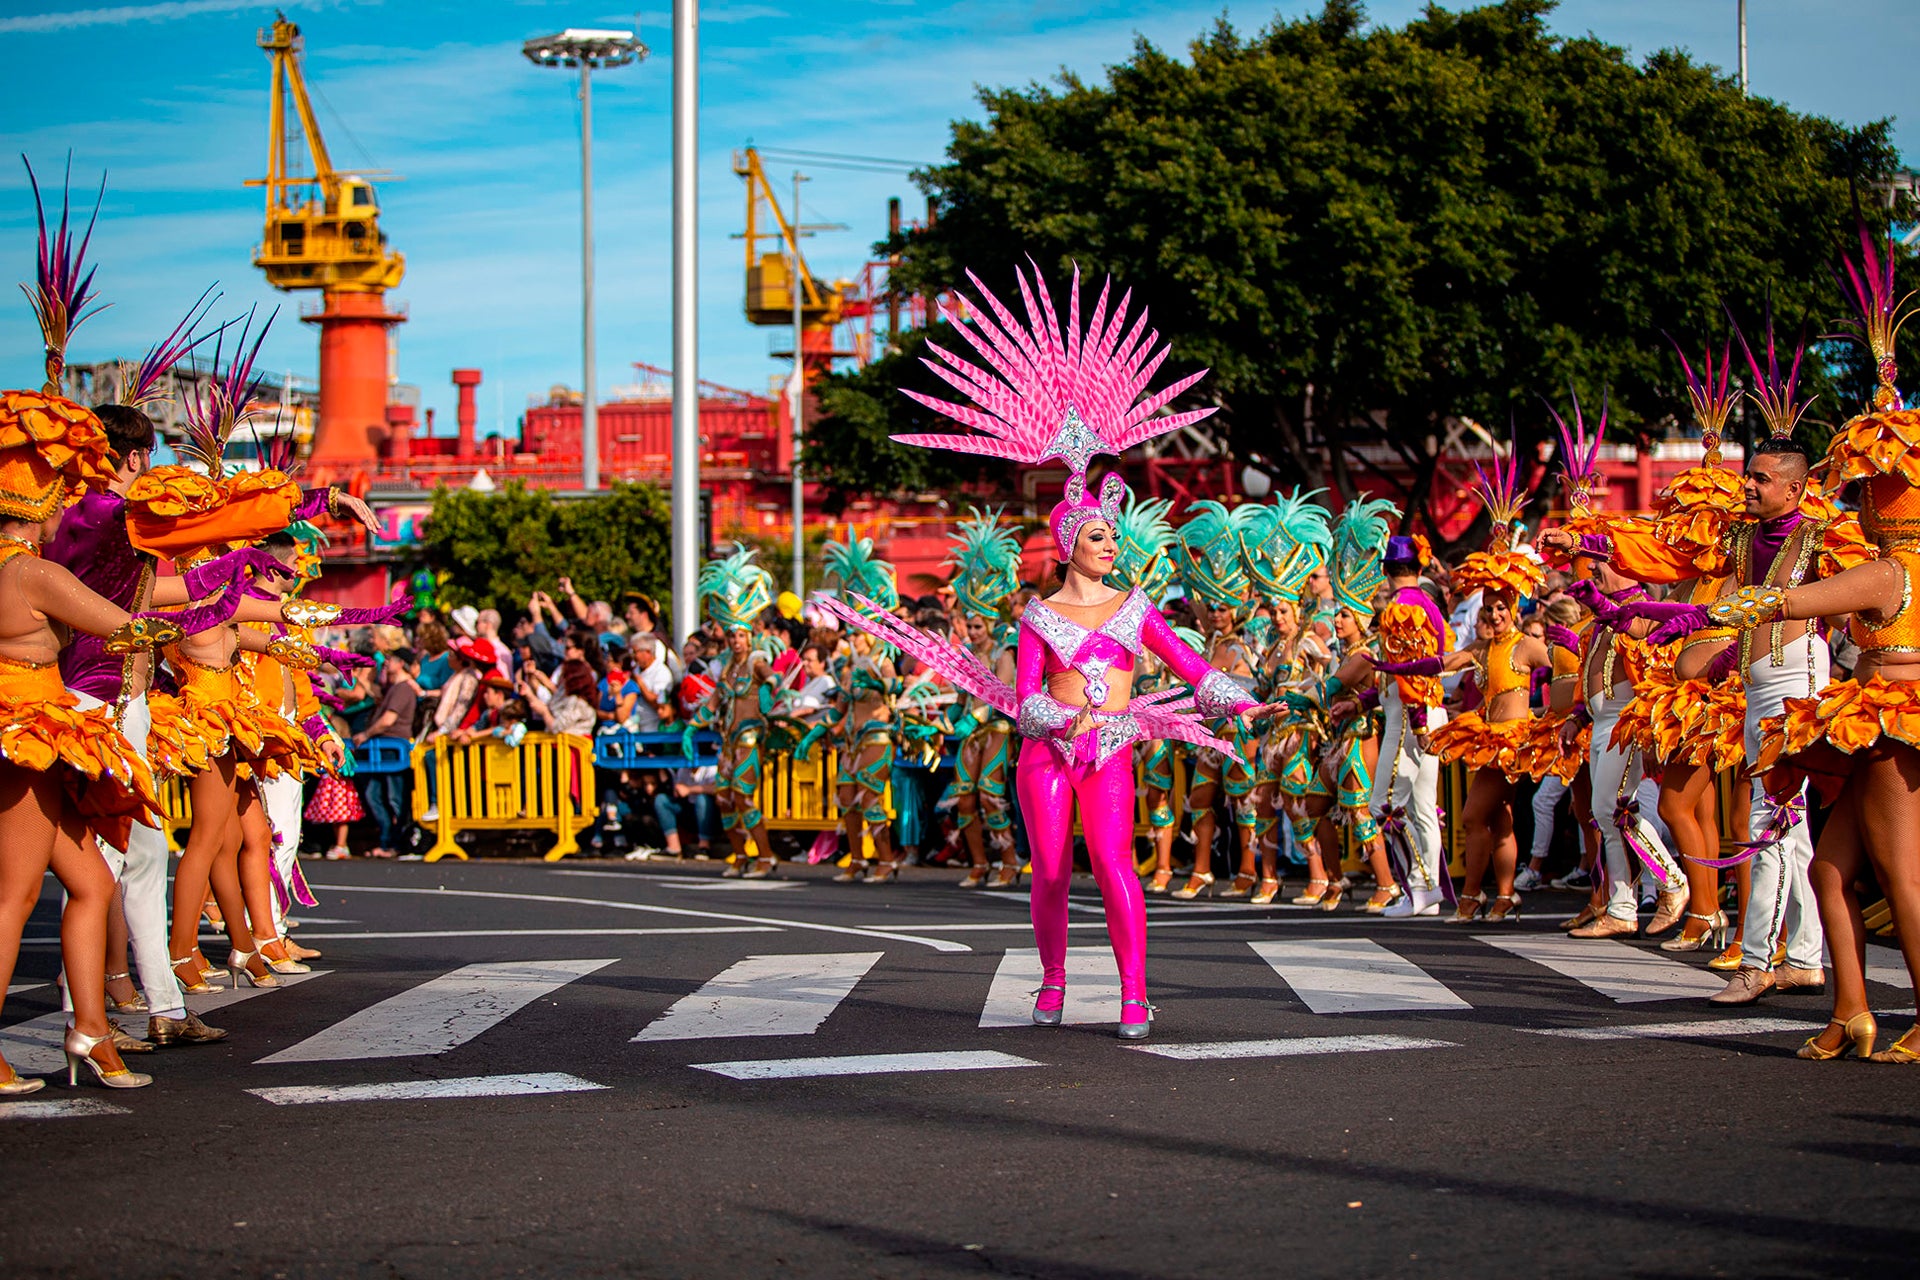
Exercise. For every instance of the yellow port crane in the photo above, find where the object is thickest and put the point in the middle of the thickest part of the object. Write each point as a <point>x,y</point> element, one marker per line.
<point>323,229</point>
<point>769,274</point>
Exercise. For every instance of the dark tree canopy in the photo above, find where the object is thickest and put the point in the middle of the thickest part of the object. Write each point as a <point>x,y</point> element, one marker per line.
<point>1366,231</point>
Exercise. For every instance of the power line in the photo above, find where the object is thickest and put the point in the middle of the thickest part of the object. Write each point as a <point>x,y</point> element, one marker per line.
<point>843,160</point>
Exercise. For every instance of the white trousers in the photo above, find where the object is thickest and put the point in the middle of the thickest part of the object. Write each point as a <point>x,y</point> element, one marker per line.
<point>281,796</point>
<point>1616,780</point>
<point>1780,904</point>
<point>141,873</point>
<point>1546,799</point>
<point>1408,779</point>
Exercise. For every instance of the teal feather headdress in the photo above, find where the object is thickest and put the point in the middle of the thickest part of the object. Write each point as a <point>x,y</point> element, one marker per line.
<point>1145,539</point>
<point>860,571</point>
<point>1284,543</point>
<point>1211,566</point>
<point>986,563</point>
<point>736,590</point>
<point>1359,540</point>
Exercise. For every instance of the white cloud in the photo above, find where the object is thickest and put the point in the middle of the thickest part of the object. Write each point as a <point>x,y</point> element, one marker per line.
<point>121,14</point>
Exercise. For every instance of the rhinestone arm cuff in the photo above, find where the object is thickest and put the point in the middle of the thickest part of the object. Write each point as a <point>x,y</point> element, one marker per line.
<point>1217,695</point>
<point>1042,717</point>
<point>145,632</point>
<point>1748,607</point>
<point>1595,546</point>
<point>308,613</point>
<point>293,653</point>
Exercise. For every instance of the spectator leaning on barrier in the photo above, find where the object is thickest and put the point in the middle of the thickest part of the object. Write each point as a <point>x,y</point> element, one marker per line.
<point>817,684</point>
<point>386,793</point>
<point>570,706</point>
<point>654,683</point>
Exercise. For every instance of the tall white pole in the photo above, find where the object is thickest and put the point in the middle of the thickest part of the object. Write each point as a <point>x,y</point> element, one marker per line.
<point>1743,46</point>
<point>686,346</point>
<point>589,409</point>
<point>797,290</point>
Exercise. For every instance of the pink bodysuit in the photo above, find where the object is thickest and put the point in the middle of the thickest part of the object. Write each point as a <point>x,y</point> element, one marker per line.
<point>1097,771</point>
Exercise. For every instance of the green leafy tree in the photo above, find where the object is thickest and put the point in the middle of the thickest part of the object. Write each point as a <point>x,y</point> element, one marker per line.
<point>496,549</point>
<point>1367,232</point>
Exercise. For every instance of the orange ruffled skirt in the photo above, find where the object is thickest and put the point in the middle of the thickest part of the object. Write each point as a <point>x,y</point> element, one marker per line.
<point>1544,754</point>
<point>265,745</point>
<point>43,728</point>
<point>1470,737</point>
<point>1816,738</point>
<point>1690,722</point>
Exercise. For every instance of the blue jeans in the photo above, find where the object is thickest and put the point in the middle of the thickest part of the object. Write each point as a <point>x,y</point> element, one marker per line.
<point>386,796</point>
<point>671,810</point>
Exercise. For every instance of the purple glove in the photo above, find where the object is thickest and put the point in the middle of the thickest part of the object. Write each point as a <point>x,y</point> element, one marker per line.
<point>385,615</point>
<point>313,502</point>
<point>1674,620</point>
<point>328,699</point>
<point>1417,667</point>
<point>199,618</point>
<point>340,659</point>
<point>209,576</point>
<point>1596,601</point>
<point>1722,665</point>
<point>315,727</point>
<point>1540,679</point>
<point>1565,637</point>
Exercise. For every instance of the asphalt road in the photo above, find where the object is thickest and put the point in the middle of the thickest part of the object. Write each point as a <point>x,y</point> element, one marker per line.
<point>1403,1098</point>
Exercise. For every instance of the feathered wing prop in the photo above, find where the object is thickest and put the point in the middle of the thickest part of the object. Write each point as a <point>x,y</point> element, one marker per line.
<point>962,668</point>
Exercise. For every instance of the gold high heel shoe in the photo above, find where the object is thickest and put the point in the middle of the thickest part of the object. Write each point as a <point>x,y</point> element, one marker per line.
<point>976,878</point>
<point>81,1048</point>
<point>1900,1052</point>
<point>1729,960</point>
<point>136,1005</point>
<point>1467,907</point>
<point>1196,881</point>
<point>1336,892</point>
<point>16,1085</point>
<point>285,963</point>
<point>1860,1031</point>
<point>1715,931</point>
<point>1240,887</point>
<point>1159,884</point>
<point>193,981</point>
<point>1267,890</point>
<point>240,962</point>
<point>1311,895</point>
<point>1008,875</point>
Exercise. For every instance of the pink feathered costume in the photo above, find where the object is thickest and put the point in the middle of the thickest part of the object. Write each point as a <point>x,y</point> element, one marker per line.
<point>1070,396</point>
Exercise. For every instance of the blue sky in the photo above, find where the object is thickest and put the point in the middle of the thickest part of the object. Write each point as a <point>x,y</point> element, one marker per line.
<point>170,98</point>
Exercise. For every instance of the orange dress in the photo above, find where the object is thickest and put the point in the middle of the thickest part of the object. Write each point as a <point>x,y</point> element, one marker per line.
<point>43,728</point>
<point>1484,743</point>
<point>216,709</point>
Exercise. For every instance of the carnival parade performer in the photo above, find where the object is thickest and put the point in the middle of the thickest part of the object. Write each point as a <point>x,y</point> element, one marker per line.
<point>986,564</point>
<point>1213,570</point>
<point>1492,739</point>
<point>1857,740</point>
<point>736,592</point>
<point>1410,627</point>
<point>1789,537</point>
<point>867,732</point>
<point>1072,394</point>
<point>1604,686</point>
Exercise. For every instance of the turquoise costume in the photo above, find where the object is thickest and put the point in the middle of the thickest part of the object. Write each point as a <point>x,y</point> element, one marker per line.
<point>986,574</point>
<point>736,591</point>
<point>866,749</point>
<point>1144,560</point>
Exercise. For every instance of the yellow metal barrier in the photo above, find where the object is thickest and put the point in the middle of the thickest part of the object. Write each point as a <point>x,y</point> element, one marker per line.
<point>546,783</point>
<point>798,795</point>
<point>175,807</point>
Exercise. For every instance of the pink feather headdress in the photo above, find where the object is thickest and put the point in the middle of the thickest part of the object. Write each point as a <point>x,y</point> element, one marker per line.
<point>1051,393</point>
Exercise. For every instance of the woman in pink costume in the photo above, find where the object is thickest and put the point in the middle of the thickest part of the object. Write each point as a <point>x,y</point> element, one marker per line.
<point>1070,395</point>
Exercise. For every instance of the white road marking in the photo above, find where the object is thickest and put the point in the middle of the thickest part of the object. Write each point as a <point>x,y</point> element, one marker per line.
<point>937,944</point>
<point>1093,988</point>
<point>304,920</point>
<point>1354,975</point>
<point>228,996</point>
<point>1885,965</point>
<point>440,1014</point>
<point>698,884</point>
<point>1625,974</point>
<point>408,1090</point>
<point>788,995</point>
<point>866,1064</point>
<point>38,1108</point>
<point>1679,1030</point>
<point>1294,1047</point>
<point>551,933</point>
<point>34,1047</point>
<point>16,988</point>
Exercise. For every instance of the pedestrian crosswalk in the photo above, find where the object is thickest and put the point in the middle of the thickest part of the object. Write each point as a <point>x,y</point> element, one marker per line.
<point>1326,994</point>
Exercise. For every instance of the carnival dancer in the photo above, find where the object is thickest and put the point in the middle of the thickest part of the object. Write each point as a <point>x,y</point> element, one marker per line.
<point>737,591</point>
<point>1283,546</point>
<point>1684,713</point>
<point>1072,395</point>
<point>869,686</point>
<point>1213,571</point>
<point>986,563</point>
<point>1788,538</point>
<point>1143,561</point>
<point>1604,687</point>
<point>1411,628</point>
<point>1856,740</point>
<point>1493,738</point>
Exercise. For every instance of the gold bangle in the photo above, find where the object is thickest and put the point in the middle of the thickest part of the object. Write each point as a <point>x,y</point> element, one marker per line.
<point>293,653</point>
<point>308,613</point>
<point>1748,607</point>
<point>143,633</point>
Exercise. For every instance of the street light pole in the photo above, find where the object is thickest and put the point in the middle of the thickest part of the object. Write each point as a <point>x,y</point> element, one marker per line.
<point>798,292</point>
<point>686,346</point>
<point>1743,46</point>
<point>586,48</point>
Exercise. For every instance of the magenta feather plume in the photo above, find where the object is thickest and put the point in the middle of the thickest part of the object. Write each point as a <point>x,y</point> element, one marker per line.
<point>218,404</point>
<point>1869,286</point>
<point>1578,451</point>
<point>1775,394</point>
<point>170,351</point>
<point>62,296</point>
<point>1711,390</point>
<point>1040,391</point>
<point>1501,490</point>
